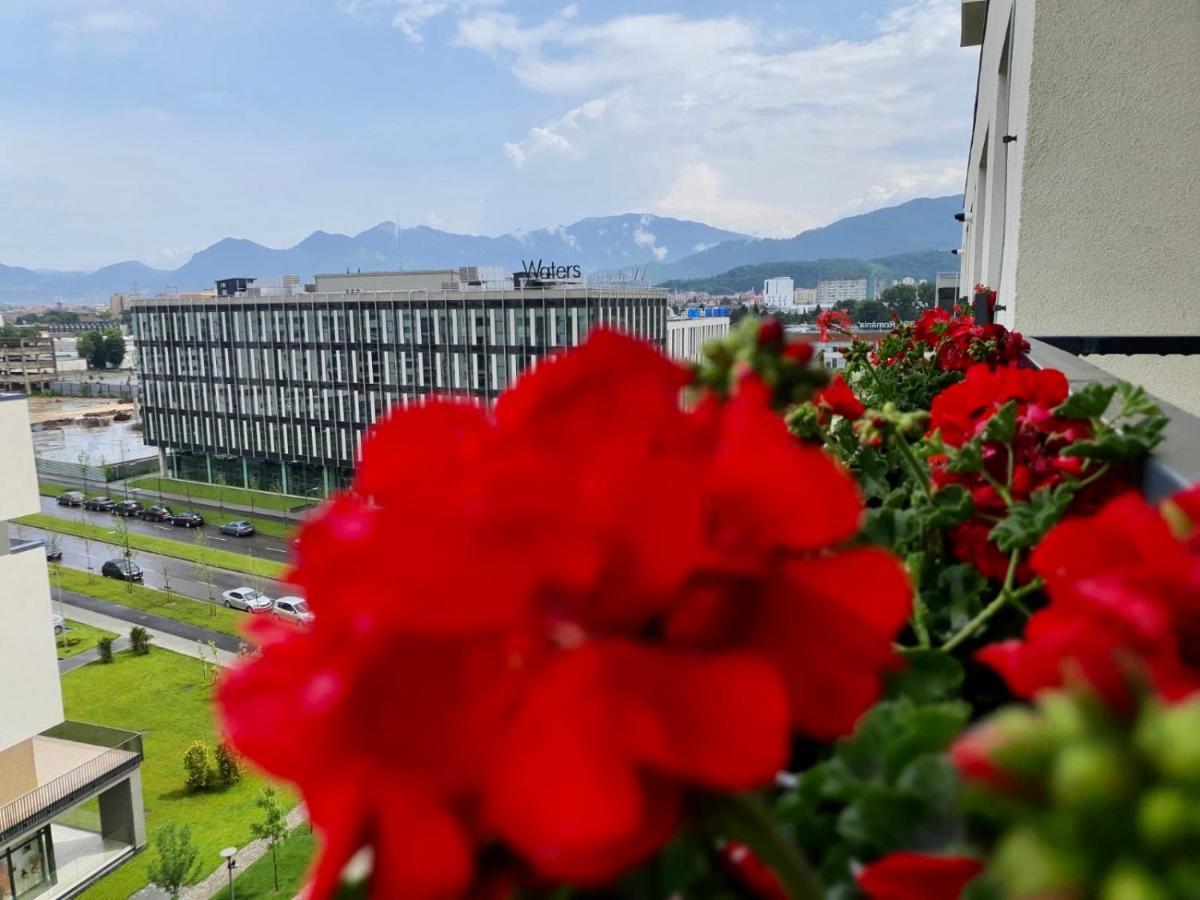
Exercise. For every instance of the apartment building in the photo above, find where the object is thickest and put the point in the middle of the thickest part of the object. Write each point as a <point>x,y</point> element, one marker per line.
<point>1081,206</point>
<point>50,768</point>
<point>834,291</point>
<point>804,299</point>
<point>276,391</point>
<point>778,293</point>
<point>688,333</point>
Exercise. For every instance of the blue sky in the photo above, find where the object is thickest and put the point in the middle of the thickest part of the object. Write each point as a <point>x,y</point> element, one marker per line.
<point>147,129</point>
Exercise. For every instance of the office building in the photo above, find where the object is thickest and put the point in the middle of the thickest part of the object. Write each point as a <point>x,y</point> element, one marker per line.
<point>778,293</point>
<point>49,768</point>
<point>275,392</point>
<point>688,333</point>
<point>1081,207</point>
<point>833,291</point>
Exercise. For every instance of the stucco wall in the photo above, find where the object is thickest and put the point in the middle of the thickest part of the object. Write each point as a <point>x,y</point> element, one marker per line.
<point>1109,206</point>
<point>28,662</point>
<point>1175,379</point>
<point>18,487</point>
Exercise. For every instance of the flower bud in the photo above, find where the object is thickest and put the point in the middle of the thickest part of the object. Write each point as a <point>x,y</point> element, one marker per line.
<point>1031,866</point>
<point>1130,881</point>
<point>1004,750</point>
<point>1089,774</point>
<point>1171,738</point>
<point>1164,817</point>
<point>770,333</point>
<point>799,352</point>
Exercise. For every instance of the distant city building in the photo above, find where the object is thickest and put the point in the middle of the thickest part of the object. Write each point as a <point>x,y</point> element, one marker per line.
<point>833,291</point>
<point>55,776</point>
<point>687,334</point>
<point>1080,201</point>
<point>778,293</point>
<point>27,364</point>
<point>275,392</point>
<point>804,299</point>
<point>492,278</point>
<point>946,289</point>
<point>117,304</point>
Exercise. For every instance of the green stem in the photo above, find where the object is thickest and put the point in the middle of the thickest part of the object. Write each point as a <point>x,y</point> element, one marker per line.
<point>746,818</point>
<point>1000,489</point>
<point>1099,473</point>
<point>919,474</point>
<point>1006,595</point>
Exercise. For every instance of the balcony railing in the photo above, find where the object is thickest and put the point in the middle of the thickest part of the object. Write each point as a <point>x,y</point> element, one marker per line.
<point>122,754</point>
<point>1175,464</point>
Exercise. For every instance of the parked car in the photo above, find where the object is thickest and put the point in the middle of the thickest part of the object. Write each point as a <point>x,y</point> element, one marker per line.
<point>155,514</point>
<point>71,498</point>
<point>59,625</point>
<point>53,553</point>
<point>248,599</point>
<point>99,504</point>
<point>293,609</point>
<point>127,509</point>
<point>121,569</point>
<point>238,529</point>
<point>187,519</point>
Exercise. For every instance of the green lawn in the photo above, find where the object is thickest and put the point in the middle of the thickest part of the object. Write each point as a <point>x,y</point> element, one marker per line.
<point>172,606</point>
<point>50,489</point>
<point>295,853</point>
<point>216,493</point>
<point>78,638</point>
<point>220,559</point>
<point>165,696</point>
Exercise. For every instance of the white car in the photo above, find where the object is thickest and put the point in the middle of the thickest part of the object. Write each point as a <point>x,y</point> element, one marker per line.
<point>248,599</point>
<point>293,609</point>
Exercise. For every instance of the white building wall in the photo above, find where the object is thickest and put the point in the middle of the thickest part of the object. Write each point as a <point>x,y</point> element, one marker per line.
<point>28,662</point>
<point>1086,223</point>
<point>686,337</point>
<point>778,293</point>
<point>836,290</point>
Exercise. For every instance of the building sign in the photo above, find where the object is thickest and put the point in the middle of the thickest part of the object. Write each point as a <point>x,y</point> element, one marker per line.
<point>539,273</point>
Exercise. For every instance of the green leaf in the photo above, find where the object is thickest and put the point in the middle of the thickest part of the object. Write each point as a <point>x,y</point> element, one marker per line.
<point>1027,523</point>
<point>1088,403</point>
<point>1002,426</point>
<point>968,458</point>
<point>928,676</point>
<point>1130,443</point>
<point>952,505</point>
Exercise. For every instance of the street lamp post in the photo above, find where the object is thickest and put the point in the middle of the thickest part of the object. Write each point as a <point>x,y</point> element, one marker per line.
<point>228,855</point>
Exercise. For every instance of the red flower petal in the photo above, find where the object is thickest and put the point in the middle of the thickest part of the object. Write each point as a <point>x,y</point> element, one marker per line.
<point>918,876</point>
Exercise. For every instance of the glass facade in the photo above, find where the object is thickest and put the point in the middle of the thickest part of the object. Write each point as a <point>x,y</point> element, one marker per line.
<point>276,393</point>
<point>27,869</point>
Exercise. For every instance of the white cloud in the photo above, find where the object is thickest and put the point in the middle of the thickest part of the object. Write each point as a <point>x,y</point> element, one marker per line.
<point>645,238</point>
<point>718,118</point>
<point>102,31</point>
<point>411,16</point>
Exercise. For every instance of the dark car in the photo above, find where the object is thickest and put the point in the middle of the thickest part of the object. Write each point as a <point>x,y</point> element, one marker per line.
<point>70,498</point>
<point>127,509</point>
<point>53,554</point>
<point>155,514</point>
<point>238,529</point>
<point>98,504</point>
<point>121,569</point>
<point>187,519</point>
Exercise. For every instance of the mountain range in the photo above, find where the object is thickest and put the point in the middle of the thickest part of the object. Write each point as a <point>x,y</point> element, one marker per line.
<point>667,248</point>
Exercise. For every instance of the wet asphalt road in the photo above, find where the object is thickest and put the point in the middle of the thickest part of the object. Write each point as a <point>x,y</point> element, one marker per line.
<point>161,572</point>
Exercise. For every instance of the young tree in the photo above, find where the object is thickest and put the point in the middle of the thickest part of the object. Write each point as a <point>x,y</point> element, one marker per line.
<point>273,828</point>
<point>114,348</point>
<point>90,346</point>
<point>204,570</point>
<point>122,529</point>
<point>177,859</point>
<point>85,462</point>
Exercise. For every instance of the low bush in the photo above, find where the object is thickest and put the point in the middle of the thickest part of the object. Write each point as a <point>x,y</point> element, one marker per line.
<point>229,767</point>
<point>104,645</point>
<point>139,640</point>
<point>197,766</point>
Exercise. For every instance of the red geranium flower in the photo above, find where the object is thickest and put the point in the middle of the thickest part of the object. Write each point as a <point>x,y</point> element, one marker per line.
<point>833,320</point>
<point>837,399</point>
<point>546,625</point>
<point>1125,605</point>
<point>958,343</point>
<point>918,876</point>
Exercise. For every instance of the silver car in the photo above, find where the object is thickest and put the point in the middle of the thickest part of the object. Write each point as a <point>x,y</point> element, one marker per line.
<point>247,598</point>
<point>293,609</point>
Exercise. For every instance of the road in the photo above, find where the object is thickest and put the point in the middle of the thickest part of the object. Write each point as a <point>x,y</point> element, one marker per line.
<point>161,572</point>
<point>262,546</point>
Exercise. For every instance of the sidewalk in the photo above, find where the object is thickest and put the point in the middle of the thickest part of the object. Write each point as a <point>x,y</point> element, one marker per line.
<point>168,633</point>
<point>76,662</point>
<point>248,855</point>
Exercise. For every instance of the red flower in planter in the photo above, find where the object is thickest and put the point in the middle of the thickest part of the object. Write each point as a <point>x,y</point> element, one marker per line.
<point>960,344</point>
<point>918,876</point>
<point>837,399</point>
<point>1125,606</point>
<point>832,320</point>
<point>546,625</point>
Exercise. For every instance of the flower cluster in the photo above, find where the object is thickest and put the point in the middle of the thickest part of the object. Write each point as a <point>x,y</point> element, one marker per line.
<point>1124,592</point>
<point>958,343</point>
<point>833,321</point>
<point>538,631</point>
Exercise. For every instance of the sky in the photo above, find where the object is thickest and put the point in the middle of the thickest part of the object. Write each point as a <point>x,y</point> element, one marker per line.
<point>149,129</point>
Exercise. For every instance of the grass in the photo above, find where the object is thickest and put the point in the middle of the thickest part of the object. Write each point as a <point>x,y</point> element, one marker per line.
<point>165,696</point>
<point>264,526</point>
<point>220,559</point>
<point>216,493</point>
<point>78,638</point>
<point>257,881</point>
<point>200,613</point>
